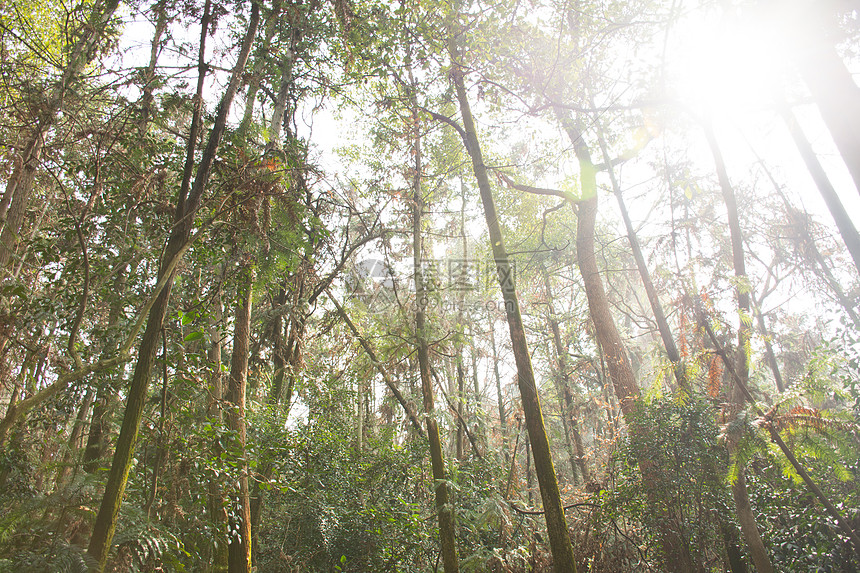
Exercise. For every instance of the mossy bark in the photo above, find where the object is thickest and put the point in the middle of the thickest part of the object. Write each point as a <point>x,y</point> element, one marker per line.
<point>239,522</point>
<point>559,537</point>
<point>186,209</point>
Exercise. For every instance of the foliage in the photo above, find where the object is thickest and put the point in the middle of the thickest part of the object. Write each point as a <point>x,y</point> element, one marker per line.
<point>680,443</point>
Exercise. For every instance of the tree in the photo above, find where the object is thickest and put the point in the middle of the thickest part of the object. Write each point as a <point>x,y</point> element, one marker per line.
<point>739,486</point>
<point>812,29</point>
<point>562,550</point>
<point>188,203</point>
<point>16,197</point>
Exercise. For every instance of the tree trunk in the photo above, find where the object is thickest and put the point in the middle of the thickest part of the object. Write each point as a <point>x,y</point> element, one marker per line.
<point>99,423</point>
<point>614,354</point>
<point>837,210</point>
<point>161,443</point>
<point>828,79</point>
<point>392,385</point>
<point>16,197</point>
<point>771,355</point>
<point>746,517</point>
<point>503,423</point>
<point>216,506</point>
<point>69,458</point>
<point>239,537</point>
<point>461,398</point>
<point>645,276</point>
<point>800,221</point>
<point>566,404</point>
<point>559,537</point>
<point>444,509</point>
<point>255,77</point>
<point>186,210</point>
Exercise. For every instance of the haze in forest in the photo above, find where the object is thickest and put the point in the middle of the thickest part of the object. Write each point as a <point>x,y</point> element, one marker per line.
<point>299,286</point>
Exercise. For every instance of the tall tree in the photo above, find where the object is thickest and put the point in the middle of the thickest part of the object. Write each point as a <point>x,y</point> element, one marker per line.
<point>444,509</point>
<point>188,203</point>
<point>811,30</point>
<point>81,52</point>
<point>239,538</point>
<point>676,550</point>
<point>834,204</point>
<point>559,538</point>
<point>746,517</point>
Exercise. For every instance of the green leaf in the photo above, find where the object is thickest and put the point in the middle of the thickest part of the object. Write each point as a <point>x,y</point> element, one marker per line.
<point>197,335</point>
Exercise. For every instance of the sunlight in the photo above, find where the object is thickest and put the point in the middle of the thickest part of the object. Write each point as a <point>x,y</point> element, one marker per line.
<point>727,64</point>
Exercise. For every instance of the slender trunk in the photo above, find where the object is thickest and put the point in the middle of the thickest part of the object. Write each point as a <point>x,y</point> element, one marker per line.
<point>771,355</point>
<point>846,302</point>
<point>837,210</point>
<point>830,83</point>
<point>800,221</point>
<point>453,408</point>
<point>389,381</point>
<point>480,424</point>
<point>75,438</point>
<point>147,98</point>
<point>161,444</point>
<point>186,211</point>
<point>645,276</point>
<point>259,65</point>
<point>239,539</point>
<point>559,537</point>
<point>746,517</point>
<point>281,359</point>
<point>513,457</point>
<point>566,404</point>
<point>461,397</point>
<point>286,357</point>
<point>529,474</point>
<point>16,198</point>
<point>359,419</point>
<point>444,508</point>
<point>216,504</point>
<point>99,423</point>
<point>497,377</point>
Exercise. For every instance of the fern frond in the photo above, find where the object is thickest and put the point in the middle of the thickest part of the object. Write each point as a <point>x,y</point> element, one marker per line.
<point>812,418</point>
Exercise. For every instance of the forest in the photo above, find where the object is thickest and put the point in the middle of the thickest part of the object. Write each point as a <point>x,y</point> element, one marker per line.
<point>418,286</point>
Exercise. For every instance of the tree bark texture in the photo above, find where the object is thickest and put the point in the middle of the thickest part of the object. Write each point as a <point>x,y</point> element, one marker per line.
<point>239,503</point>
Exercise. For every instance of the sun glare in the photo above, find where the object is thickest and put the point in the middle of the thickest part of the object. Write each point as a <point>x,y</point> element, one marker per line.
<point>726,64</point>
